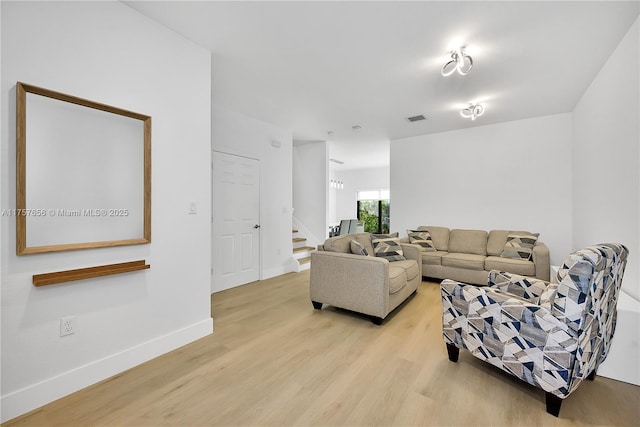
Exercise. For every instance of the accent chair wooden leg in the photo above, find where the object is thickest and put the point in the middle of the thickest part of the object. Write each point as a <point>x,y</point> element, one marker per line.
<point>453,352</point>
<point>317,305</point>
<point>592,376</point>
<point>553,404</point>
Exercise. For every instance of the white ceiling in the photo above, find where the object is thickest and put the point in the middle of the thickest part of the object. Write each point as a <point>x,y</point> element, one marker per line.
<point>315,67</point>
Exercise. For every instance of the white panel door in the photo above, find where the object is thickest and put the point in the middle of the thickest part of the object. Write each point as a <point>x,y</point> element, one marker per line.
<point>236,221</point>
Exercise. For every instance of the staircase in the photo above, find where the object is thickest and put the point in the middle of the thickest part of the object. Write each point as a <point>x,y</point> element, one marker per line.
<point>301,252</point>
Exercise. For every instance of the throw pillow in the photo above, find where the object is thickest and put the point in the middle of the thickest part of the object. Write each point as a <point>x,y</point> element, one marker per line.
<point>388,248</point>
<point>519,245</point>
<point>358,248</point>
<point>421,238</point>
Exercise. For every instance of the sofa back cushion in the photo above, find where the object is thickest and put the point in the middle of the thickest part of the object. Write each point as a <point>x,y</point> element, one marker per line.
<point>365,240</point>
<point>342,244</point>
<point>468,241</point>
<point>497,240</point>
<point>439,235</point>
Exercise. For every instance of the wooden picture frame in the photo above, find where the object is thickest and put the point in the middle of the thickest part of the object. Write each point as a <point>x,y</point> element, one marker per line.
<point>83,173</point>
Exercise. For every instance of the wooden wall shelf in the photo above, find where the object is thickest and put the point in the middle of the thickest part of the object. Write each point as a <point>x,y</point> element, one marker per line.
<point>88,273</point>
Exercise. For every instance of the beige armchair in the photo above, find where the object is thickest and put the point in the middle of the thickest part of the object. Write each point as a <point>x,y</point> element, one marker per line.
<point>365,284</point>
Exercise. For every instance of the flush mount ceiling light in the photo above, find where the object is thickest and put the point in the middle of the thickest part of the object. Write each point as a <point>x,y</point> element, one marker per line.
<point>459,61</point>
<point>472,111</point>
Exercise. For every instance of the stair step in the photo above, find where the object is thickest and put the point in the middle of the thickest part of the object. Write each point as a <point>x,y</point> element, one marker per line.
<point>305,260</point>
<point>302,248</point>
<point>299,239</point>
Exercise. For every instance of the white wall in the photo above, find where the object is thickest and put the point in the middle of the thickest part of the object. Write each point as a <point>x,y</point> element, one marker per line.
<point>354,181</point>
<point>607,187</point>
<point>238,134</point>
<point>606,156</point>
<point>513,176</point>
<point>311,190</point>
<point>107,52</point>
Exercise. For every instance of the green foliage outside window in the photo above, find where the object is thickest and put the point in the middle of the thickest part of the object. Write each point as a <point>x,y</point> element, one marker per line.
<point>374,214</point>
<point>384,221</point>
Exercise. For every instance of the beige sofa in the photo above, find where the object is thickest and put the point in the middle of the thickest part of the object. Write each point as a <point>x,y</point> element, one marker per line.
<point>468,256</point>
<point>368,284</point>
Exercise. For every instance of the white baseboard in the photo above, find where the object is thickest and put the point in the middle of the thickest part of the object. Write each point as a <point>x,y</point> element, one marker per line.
<point>22,401</point>
<point>280,270</point>
<point>622,361</point>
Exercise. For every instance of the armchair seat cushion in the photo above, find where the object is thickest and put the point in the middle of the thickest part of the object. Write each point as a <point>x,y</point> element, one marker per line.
<point>401,272</point>
<point>466,261</point>
<point>433,258</point>
<point>397,279</point>
<point>517,266</point>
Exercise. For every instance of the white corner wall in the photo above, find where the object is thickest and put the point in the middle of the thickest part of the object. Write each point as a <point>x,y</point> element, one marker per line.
<point>107,52</point>
<point>311,190</point>
<point>607,187</point>
<point>607,158</point>
<point>513,176</point>
<point>238,134</point>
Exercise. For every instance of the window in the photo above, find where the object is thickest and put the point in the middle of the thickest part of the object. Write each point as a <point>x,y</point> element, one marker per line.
<point>373,210</point>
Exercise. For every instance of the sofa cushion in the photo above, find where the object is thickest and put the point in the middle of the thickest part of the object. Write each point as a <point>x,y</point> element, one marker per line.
<point>439,235</point>
<point>397,278</point>
<point>517,266</point>
<point>468,242</point>
<point>365,240</point>
<point>467,261</point>
<point>385,236</point>
<point>421,238</point>
<point>340,244</point>
<point>496,241</point>
<point>519,245</point>
<point>358,248</point>
<point>410,267</point>
<point>388,248</point>
<point>433,258</point>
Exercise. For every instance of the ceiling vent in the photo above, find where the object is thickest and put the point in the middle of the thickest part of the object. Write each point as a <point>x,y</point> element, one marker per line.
<point>416,118</point>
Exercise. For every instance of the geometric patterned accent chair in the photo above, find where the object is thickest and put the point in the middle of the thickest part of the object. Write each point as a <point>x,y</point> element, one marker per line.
<point>550,335</point>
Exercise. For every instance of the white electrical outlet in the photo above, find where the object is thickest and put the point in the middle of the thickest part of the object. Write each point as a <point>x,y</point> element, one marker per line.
<point>67,326</point>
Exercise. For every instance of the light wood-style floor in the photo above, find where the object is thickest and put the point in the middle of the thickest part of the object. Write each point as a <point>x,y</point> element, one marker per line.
<point>274,361</point>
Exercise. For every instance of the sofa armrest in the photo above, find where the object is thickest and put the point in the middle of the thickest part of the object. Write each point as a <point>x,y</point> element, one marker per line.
<point>413,252</point>
<point>355,282</point>
<point>525,287</point>
<point>541,260</point>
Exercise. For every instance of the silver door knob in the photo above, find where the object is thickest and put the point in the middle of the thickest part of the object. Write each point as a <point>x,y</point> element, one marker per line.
<point>256,226</point>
